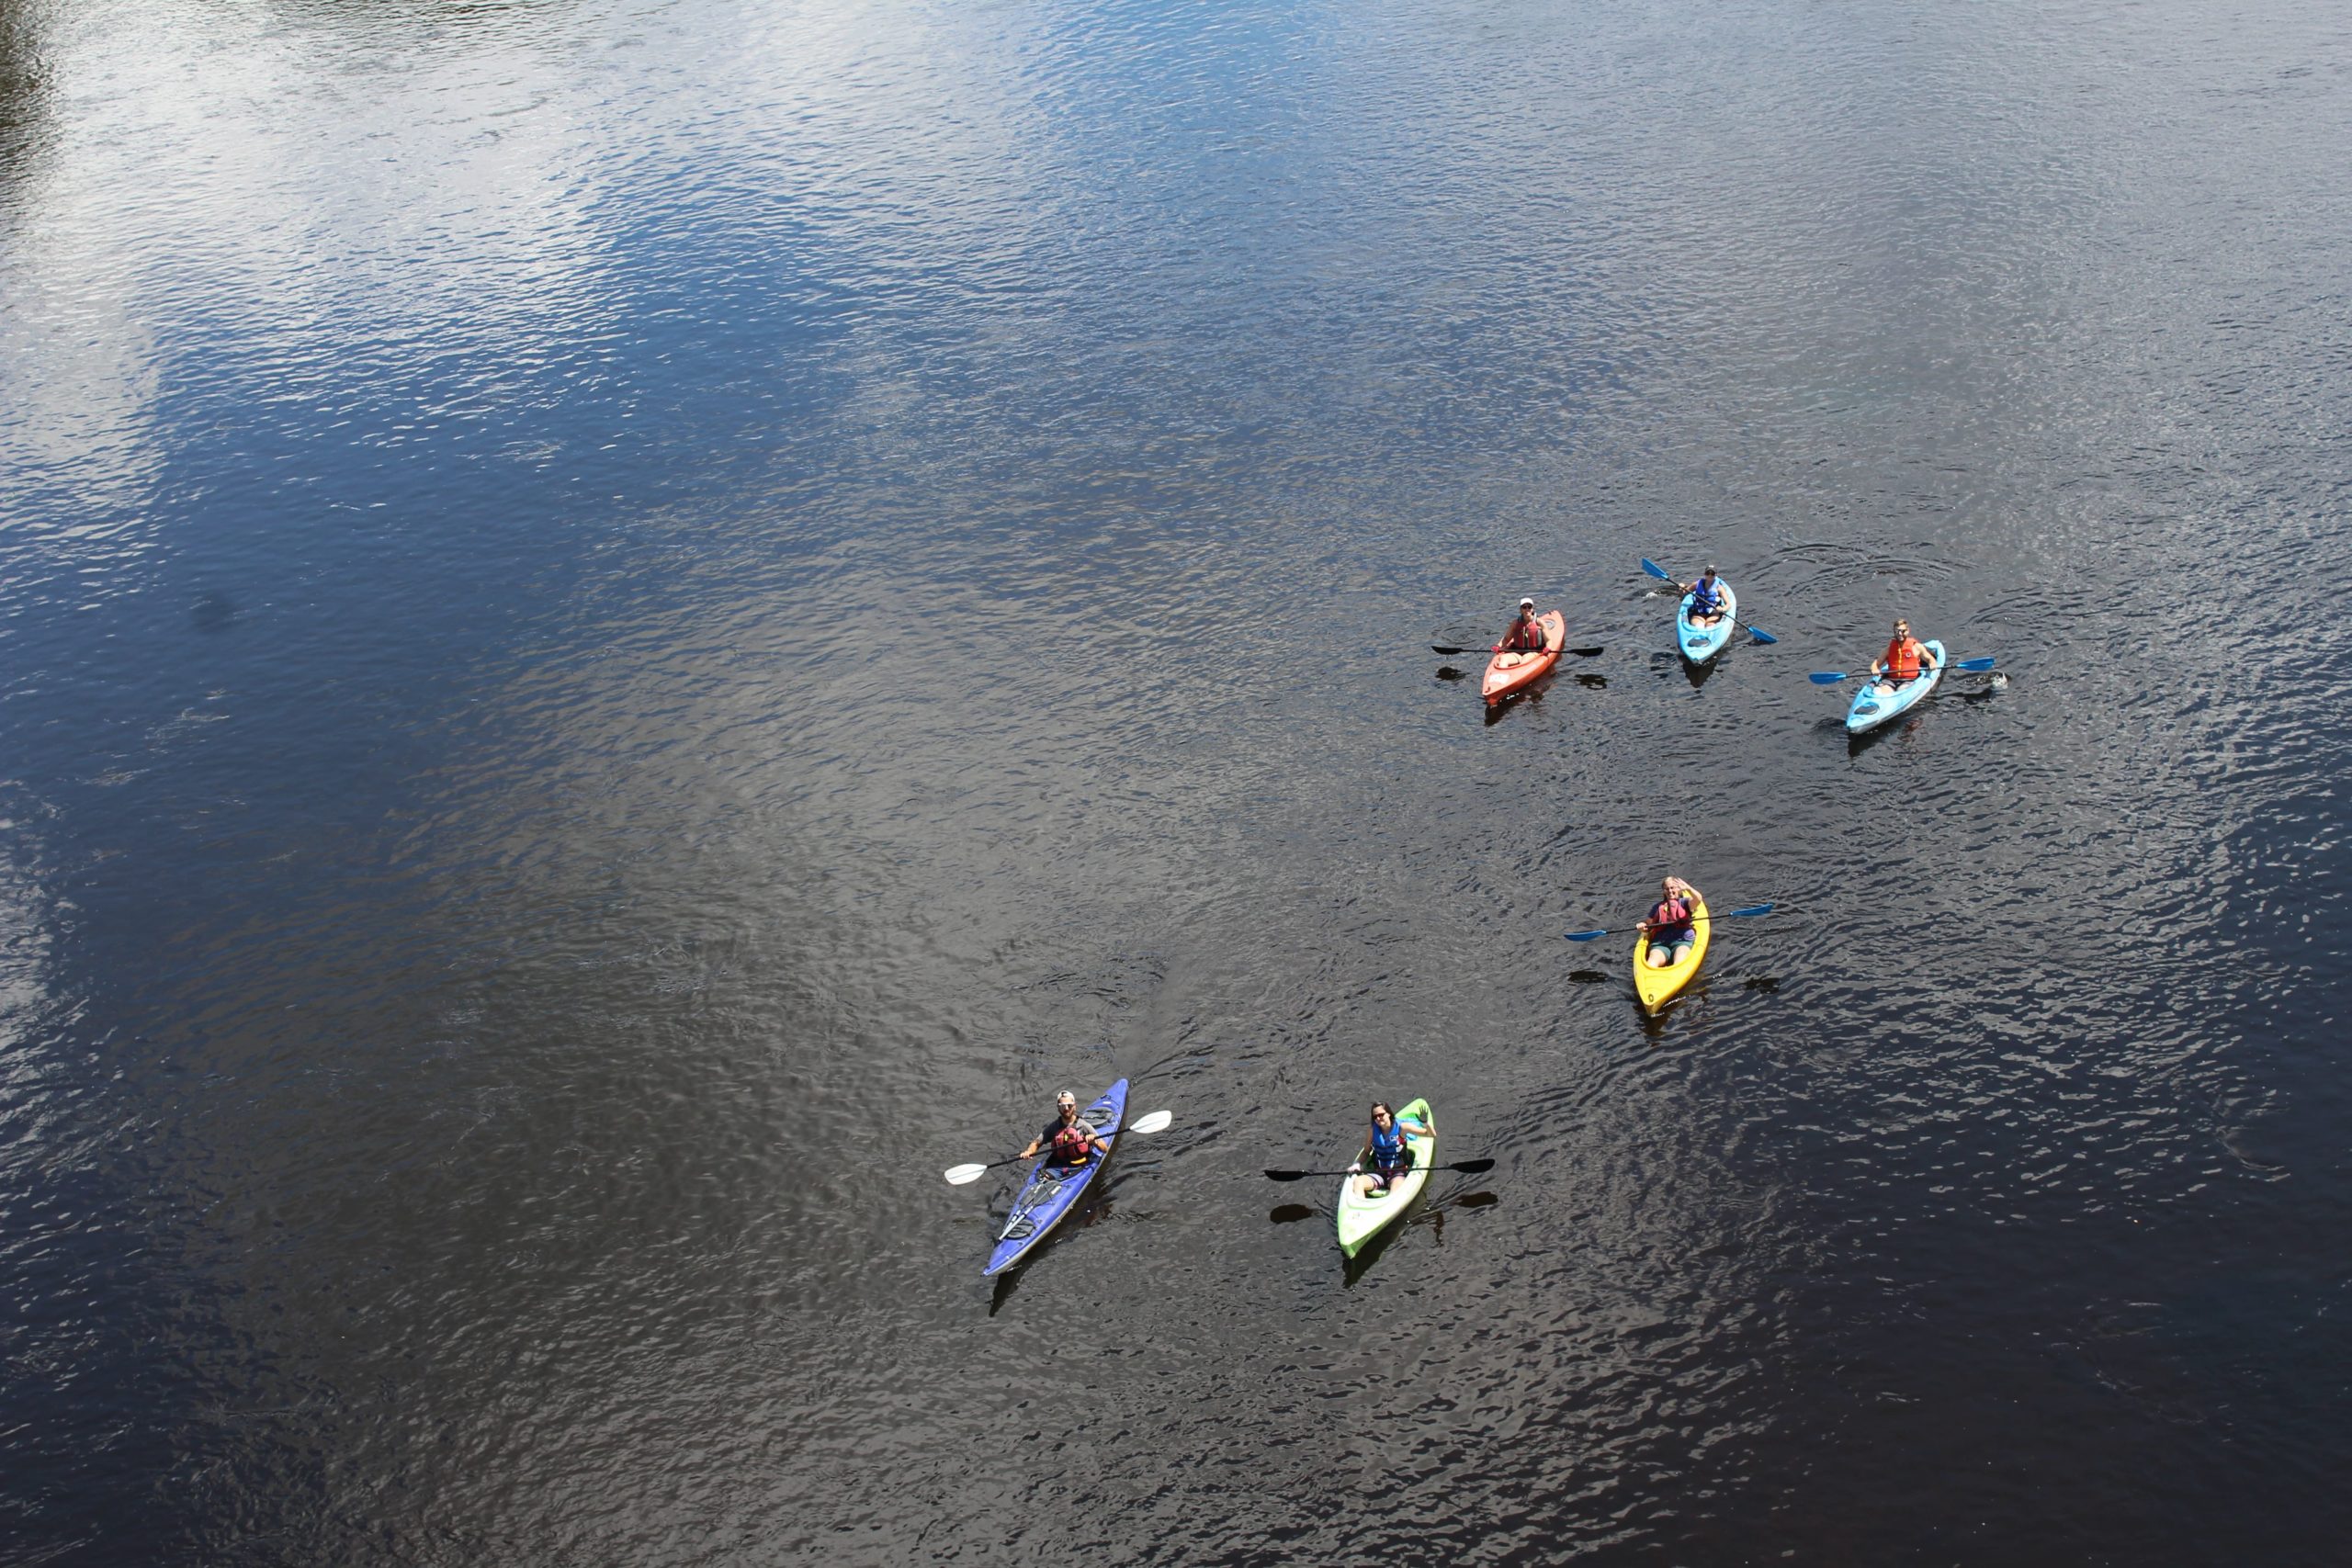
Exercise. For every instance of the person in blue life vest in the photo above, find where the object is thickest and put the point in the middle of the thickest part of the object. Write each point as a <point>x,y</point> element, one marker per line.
<point>1384,1150</point>
<point>1671,927</point>
<point>1526,633</point>
<point>1071,1142</point>
<point>1706,599</point>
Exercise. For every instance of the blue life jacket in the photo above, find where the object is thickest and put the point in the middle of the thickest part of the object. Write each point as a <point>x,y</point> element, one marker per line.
<point>1706,601</point>
<point>1388,1148</point>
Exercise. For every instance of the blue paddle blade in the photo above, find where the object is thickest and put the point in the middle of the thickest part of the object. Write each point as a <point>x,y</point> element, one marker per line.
<point>1656,570</point>
<point>1827,677</point>
<point>1582,936</point>
<point>1751,909</point>
<point>1975,664</point>
<point>1760,635</point>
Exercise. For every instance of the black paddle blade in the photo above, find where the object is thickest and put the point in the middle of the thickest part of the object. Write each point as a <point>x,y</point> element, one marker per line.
<point>1288,1175</point>
<point>1470,1166</point>
<point>1588,652</point>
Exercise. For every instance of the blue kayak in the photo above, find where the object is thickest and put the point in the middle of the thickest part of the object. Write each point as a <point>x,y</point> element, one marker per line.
<point>1870,710</point>
<point>1702,643</point>
<point>1054,1191</point>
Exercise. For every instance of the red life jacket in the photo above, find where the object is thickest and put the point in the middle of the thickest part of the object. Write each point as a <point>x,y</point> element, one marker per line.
<point>1902,660</point>
<point>1671,914</point>
<point>1071,1147</point>
<point>1526,636</point>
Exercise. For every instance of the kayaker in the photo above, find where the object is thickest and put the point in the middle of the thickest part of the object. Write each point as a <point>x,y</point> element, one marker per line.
<point>1384,1147</point>
<point>1073,1142</point>
<point>1901,663</point>
<point>1706,599</point>
<point>1526,634</point>
<point>1669,927</point>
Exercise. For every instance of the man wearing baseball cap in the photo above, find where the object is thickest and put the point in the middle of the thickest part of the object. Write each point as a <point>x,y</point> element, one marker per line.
<point>1526,634</point>
<point>1073,1142</point>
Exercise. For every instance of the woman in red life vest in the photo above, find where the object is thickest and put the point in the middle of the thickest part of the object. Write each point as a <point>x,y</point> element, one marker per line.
<point>1670,928</point>
<point>1903,660</point>
<point>1073,1142</point>
<point>1526,634</point>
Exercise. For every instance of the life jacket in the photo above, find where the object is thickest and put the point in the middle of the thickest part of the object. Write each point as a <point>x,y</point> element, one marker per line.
<point>1902,659</point>
<point>1705,597</point>
<point>1669,916</point>
<point>1071,1147</point>
<point>1388,1148</point>
<point>1526,636</point>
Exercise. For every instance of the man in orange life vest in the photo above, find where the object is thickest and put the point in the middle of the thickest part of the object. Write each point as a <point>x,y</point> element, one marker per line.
<point>1073,1142</point>
<point>1903,660</point>
<point>1526,634</point>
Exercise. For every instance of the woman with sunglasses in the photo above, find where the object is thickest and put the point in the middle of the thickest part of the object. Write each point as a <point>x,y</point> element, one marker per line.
<point>1385,1149</point>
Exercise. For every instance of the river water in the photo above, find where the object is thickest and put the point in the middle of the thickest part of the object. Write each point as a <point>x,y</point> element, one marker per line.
<point>627,627</point>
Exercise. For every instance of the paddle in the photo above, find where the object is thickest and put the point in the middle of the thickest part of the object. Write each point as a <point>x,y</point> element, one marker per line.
<point>1831,677</point>
<point>1621,930</point>
<point>1467,1168</point>
<point>1758,633</point>
<point>1580,652</point>
<point>960,1175</point>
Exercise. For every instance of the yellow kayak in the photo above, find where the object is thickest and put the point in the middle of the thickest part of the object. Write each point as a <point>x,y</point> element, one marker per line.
<point>1659,986</point>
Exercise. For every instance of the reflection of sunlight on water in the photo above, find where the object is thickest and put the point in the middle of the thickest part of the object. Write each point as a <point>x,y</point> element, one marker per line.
<point>195,215</point>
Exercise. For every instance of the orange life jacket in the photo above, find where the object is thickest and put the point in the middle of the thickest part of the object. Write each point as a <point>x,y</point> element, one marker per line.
<point>1902,659</point>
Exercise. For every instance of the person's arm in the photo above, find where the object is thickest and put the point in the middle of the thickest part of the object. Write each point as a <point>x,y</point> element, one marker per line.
<point>1031,1150</point>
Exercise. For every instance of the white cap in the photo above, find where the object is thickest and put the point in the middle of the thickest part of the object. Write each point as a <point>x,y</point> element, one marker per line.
<point>1527,604</point>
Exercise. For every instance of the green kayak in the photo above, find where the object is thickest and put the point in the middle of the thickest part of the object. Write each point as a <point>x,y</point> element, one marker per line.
<point>1360,1217</point>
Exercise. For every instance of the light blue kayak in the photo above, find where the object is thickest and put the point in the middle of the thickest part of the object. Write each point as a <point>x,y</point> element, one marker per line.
<point>1702,643</point>
<point>1870,710</point>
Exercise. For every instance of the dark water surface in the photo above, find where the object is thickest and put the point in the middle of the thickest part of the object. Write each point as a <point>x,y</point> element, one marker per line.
<point>629,627</point>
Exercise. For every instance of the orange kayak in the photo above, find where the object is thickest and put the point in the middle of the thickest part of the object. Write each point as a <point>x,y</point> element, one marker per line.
<point>1509,672</point>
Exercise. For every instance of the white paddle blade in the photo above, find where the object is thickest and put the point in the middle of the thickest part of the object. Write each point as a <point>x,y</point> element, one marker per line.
<point>1155,1122</point>
<point>963,1175</point>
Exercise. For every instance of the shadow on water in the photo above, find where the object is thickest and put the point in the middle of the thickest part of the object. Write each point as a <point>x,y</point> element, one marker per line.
<point>1587,977</point>
<point>1594,682</point>
<point>1094,1206</point>
<point>214,612</point>
<point>1699,675</point>
<point>1354,1269</point>
<point>1655,1024</point>
<point>1532,695</point>
<point>1291,1214</point>
<point>1448,672</point>
<point>1858,745</point>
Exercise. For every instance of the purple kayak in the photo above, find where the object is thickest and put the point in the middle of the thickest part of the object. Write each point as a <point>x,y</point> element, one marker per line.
<point>1054,1191</point>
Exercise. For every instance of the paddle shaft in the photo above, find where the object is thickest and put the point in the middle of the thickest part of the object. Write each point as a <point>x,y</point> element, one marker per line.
<point>1710,915</point>
<point>1467,1166</point>
<point>1580,652</point>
